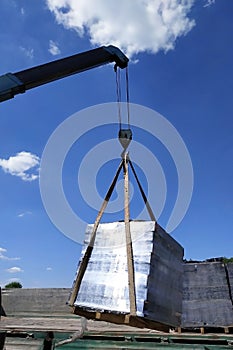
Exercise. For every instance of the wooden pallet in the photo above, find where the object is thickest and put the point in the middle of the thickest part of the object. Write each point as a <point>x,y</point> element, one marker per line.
<point>206,330</point>
<point>120,318</point>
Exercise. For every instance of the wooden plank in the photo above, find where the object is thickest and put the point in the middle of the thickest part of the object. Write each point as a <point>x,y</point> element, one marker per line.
<point>98,315</point>
<point>179,330</point>
<point>129,247</point>
<point>23,344</point>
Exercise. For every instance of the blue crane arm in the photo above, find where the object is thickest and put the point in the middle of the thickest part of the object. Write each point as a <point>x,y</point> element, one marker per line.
<point>12,84</point>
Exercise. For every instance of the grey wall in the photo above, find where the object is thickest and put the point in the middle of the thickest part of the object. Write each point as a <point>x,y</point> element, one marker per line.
<point>35,301</point>
<point>206,297</point>
<point>207,289</point>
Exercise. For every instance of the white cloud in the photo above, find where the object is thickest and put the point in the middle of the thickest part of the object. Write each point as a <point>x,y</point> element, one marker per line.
<point>4,257</point>
<point>21,215</point>
<point>22,11</point>
<point>21,164</point>
<point>48,268</point>
<point>27,52</point>
<point>133,25</point>
<point>53,48</point>
<point>209,3</point>
<point>14,269</point>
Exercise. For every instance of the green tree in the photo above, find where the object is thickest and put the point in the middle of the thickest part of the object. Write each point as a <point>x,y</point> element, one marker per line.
<point>227,260</point>
<point>13,285</point>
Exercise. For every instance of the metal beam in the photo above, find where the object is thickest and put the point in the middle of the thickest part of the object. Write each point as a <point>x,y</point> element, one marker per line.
<point>19,82</point>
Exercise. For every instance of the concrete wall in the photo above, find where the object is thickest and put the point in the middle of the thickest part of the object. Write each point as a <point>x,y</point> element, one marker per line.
<point>230,274</point>
<point>207,294</point>
<point>207,297</point>
<point>35,301</point>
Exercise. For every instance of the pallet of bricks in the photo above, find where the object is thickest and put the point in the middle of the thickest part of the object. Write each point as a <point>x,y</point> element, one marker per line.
<point>158,268</point>
<point>208,296</point>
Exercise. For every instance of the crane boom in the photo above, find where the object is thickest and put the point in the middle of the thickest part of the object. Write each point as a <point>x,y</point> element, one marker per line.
<point>12,84</point>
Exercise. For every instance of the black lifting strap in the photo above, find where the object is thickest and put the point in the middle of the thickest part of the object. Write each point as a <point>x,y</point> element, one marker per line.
<point>148,207</point>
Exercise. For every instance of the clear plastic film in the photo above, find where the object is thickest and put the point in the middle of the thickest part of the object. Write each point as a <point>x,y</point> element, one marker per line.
<point>105,283</point>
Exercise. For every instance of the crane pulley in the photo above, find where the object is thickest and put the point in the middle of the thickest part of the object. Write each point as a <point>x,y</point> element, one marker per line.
<point>124,134</point>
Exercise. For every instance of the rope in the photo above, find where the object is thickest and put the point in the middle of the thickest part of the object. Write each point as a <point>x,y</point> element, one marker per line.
<point>127,94</point>
<point>118,91</point>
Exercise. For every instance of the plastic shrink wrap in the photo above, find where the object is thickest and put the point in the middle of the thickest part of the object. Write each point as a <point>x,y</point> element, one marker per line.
<point>158,270</point>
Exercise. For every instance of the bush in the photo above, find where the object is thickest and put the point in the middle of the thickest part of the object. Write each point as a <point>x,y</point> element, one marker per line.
<point>14,285</point>
<point>227,260</point>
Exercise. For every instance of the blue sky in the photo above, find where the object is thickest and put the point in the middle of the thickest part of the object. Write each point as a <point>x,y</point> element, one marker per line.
<point>181,67</point>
